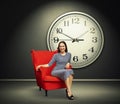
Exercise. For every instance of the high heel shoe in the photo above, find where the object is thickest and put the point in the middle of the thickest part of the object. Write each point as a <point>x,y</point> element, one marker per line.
<point>72,95</point>
<point>69,97</point>
<point>67,93</point>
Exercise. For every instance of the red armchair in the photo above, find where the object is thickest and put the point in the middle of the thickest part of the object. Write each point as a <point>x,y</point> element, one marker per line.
<point>44,78</point>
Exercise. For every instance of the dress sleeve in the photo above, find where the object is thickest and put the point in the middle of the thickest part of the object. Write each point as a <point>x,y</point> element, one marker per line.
<point>69,58</point>
<point>52,60</point>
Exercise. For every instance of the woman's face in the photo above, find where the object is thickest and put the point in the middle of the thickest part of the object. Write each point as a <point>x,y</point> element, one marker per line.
<point>62,47</point>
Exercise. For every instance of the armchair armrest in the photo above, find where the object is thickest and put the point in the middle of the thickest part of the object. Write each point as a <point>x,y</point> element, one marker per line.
<point>43,71</point>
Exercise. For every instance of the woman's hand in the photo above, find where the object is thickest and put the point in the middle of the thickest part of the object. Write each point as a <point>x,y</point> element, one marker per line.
<point>38,67</point>
<point>68,66</point>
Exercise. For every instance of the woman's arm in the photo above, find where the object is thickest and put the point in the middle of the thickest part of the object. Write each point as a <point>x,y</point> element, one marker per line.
<point>68,65</point>
<point>44,65</point>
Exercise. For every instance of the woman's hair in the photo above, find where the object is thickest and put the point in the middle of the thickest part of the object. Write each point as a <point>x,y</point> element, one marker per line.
<point>66,50</point>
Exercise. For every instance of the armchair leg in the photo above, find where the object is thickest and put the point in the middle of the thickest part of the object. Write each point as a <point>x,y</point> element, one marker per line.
<point>39,88</point>
<point>46,93</point>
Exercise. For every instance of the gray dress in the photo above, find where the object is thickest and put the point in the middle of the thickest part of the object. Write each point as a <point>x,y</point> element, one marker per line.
<point>59,70</point>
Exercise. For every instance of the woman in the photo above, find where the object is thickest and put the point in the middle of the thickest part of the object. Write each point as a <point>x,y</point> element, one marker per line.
<point>62,59</point>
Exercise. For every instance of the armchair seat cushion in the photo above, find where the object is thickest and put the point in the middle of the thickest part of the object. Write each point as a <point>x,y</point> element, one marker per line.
<point>51,79</point>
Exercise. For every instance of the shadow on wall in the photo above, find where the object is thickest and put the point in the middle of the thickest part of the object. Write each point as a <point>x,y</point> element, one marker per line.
<point>32,33</point>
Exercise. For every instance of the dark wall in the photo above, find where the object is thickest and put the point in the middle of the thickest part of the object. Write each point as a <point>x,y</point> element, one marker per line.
<point>24,26</point>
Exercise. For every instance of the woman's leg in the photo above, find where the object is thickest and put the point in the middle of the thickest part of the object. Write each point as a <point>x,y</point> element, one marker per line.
<point>70,80</point>
<point>68,83</point>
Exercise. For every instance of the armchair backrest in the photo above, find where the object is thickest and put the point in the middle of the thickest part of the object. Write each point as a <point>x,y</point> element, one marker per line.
<point>42,57</point>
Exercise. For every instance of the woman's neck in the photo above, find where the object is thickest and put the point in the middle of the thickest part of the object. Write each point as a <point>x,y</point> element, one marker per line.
<point>63,53</point>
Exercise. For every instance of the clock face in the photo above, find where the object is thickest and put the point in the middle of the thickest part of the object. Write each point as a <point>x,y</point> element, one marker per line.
<point>82,34</point>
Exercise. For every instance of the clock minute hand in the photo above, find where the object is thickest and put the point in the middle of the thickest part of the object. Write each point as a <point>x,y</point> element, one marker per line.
<point>67,35</point>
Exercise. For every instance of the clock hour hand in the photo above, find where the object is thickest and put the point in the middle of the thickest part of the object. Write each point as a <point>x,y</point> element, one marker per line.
<point>77,40</point>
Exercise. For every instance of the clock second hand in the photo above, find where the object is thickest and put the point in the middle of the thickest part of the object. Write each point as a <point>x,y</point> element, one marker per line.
<point>83,34</point>
<point>65,39</point>
<point>74,40</point>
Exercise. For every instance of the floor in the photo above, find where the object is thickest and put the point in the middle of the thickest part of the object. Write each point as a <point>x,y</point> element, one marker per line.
<point>85,92</point>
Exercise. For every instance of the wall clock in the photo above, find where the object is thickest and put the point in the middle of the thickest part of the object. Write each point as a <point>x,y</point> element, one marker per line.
<point>83,35</point>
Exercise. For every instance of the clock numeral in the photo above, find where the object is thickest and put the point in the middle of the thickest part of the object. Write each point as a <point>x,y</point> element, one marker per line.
<point>85,57</point>
<point>56,39</point>
<point>75,58</point>
<point>94,39</point>
<point>59,30</point>
<point>91,49</point>
<point>75,20</point>
<point>66,23</point>
<point>92,30</point>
